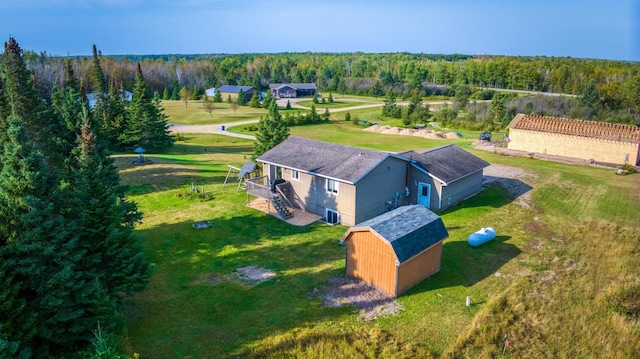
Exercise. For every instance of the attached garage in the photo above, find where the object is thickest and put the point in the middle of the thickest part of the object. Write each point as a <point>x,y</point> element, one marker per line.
<point>396,250</point>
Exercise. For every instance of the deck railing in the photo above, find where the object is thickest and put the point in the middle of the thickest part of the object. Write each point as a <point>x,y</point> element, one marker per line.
<point>256,187</point>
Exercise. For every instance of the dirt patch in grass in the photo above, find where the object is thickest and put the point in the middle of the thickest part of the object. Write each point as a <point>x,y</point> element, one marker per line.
<point>419,132</point>
<point>370,301</point>
<point>249,276</point>
<point>513,179</point>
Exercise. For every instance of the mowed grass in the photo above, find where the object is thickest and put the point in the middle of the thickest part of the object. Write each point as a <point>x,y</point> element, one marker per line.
<point>194,113</point>
<point>547,280</point>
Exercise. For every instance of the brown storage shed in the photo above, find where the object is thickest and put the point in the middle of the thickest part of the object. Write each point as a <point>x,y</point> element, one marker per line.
<point>396,250</point>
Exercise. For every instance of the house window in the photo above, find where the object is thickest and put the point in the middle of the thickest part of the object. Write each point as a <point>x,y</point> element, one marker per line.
<point>332,186</point>
<point>449,200</point>
<point>332,216</point>
<point>295,175</point>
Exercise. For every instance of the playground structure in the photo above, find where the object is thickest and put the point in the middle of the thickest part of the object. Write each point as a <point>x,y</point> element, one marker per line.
<point>240,174</point>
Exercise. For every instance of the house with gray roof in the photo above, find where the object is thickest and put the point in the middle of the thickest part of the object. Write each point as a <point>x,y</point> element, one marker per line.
<point>349,185</point>
<point>396,250</point>
<point>292,90</point>
<point>343,184</point>
<point>444,176</point>
<point>233,90</point>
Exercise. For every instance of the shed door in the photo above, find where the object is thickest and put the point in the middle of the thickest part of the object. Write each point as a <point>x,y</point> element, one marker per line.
<point>424,194</point>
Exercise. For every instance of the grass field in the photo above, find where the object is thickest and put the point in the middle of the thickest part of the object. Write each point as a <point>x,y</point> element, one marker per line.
<point>194,113</point>
<point>568,266</point>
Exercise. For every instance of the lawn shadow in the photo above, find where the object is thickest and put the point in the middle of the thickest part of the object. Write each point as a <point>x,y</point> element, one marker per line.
<point>464,265</point>
<point>227,316</point>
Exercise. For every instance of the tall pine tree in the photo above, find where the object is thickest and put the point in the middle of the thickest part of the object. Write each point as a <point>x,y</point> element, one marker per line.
<point>271,131</point>
<point>147,123</point>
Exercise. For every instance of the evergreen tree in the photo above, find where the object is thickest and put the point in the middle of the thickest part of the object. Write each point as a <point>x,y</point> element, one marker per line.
<point>147,123</point>
<point>326,114</point>
<point>312,116</point>
<point>330,98</point>
<point>414,102</point>
<point>195,94</point>
<point>23,100</point>
<point>242,100</point>
<point>498,108</point>
<point>217,97</point>
<point>41,251</point>
<point>70,80</point>
<point>4,113</point>
<point>271,131</point>
<point>106,222</point>
<point>377,89</point>
<point>461,98</point>
<point>255,101</point>
<point>229,100</point>
<point>390,107</point>
<point>175,94</point>
<point>590,99</point>
<point>268,99</point>
<point>165,94</point>
<point>98,80</point>
<point>288,107</point>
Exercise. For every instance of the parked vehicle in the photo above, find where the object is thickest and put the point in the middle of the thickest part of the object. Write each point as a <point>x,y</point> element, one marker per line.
<point>485,136</point>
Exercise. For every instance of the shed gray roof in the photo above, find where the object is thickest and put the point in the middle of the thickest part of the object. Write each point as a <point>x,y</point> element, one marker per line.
<point>297,86</point>
<point>409,229</point>
<point>234,88</point>
<point>446,163</point>
<point>325,159</point>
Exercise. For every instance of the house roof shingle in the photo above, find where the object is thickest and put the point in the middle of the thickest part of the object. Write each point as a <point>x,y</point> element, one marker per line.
<point>567,126</point>
<point>234,88</point>
<point>409,229</point>
<point>447,163</point>
<point>325,159</point>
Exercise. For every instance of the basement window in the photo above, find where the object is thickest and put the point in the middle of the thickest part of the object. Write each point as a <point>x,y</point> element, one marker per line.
<point>332,216</point>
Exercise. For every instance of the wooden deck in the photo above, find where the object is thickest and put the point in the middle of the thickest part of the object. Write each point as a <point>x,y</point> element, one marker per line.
<point>300,217</point>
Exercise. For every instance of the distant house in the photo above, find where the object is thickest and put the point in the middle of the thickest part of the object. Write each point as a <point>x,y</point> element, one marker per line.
<point>396,250</point>
<point>601,142</point>
<point>92,97</point>
<point>349,185</point>
<point>292,90</point>
<point>444,176</point>
<point>211,92</point>
<point>233,90</point>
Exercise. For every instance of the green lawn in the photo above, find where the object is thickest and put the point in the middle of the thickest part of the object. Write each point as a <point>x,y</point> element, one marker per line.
<point>547,277</point>
<point>194,113</point>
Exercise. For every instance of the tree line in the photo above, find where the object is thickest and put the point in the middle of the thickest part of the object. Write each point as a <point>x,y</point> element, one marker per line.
<point>617,82</point>
<point>68,255</point>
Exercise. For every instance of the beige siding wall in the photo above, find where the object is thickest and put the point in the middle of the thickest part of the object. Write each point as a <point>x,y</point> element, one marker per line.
<point>378,187</point>
<point>461,189</point>
<point>605,151</point>
<point>313,192</point>
<point>421,266</point>
<point>372,260</point>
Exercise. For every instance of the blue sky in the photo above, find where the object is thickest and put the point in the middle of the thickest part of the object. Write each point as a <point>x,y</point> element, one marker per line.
<point>582,29</point>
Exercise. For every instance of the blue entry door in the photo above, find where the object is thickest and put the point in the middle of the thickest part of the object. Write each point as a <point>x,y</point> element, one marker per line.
<point>424,194</point>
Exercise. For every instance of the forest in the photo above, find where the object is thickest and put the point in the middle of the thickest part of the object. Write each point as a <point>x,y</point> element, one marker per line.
<point>614,84</point>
